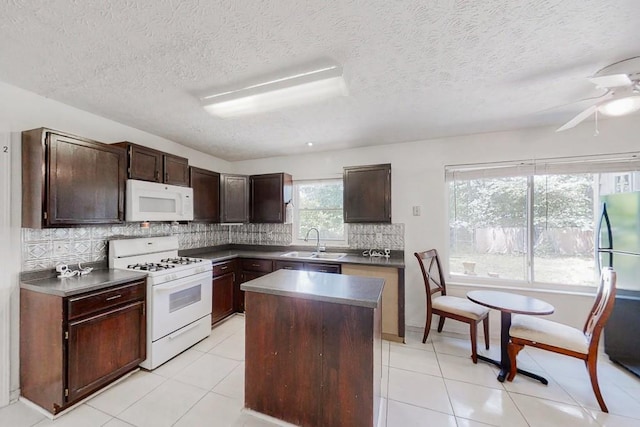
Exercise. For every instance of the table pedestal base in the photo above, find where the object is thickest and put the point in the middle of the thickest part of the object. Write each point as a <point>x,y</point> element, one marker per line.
<point>504,373</point>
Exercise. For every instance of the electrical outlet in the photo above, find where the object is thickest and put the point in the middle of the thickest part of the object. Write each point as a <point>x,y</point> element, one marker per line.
<point>379,237</point>
<point>416,211</point>
<point>60,249</point>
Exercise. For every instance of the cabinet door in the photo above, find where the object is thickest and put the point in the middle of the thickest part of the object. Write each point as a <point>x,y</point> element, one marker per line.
<point>269,193</point>
<point>86,182</point>
<point>104,346</point>
<point>223,303</point>
<point>367,194</point>
<point>176,170</point>
<point>234,198</point>
<point>145,163</point>
<point>206,194</point>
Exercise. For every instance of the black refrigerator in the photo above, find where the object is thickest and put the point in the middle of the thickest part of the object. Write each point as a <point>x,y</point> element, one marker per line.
<point>619,247</point>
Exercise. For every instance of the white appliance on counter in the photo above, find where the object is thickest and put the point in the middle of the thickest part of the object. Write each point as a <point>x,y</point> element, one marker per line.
<point>179,294</point>
<point>153,201</point>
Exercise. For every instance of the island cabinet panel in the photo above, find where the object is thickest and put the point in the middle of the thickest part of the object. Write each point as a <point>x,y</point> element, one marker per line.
<point>367,194</point>
<point>70,181</point>
<point>312,363</point>
<point>285,387</point>
<point>349,384</point>
<point>234,198</point>
<point>72,346</point>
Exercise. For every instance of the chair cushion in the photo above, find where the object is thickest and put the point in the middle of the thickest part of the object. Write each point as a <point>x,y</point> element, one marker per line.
<point>460,306</point>
<point>543,331</point>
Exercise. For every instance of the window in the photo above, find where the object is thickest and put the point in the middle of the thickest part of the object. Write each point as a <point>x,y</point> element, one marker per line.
<point>531,222</point>
<point>318,204</point>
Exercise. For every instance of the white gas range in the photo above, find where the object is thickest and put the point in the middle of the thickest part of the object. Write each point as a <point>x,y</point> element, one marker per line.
<point>179,294</point>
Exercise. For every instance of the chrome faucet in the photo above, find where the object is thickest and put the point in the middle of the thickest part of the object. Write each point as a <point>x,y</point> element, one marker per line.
<point>306,238</point>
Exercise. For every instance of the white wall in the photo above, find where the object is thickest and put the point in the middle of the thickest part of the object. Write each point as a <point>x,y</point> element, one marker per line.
<point>418,180</point>
<point>22,110</point>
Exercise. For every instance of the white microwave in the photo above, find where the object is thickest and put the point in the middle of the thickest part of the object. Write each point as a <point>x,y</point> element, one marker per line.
<point>152,201</point>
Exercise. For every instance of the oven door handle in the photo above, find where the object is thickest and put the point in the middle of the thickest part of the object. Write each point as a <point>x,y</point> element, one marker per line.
<point>183,330</point>
<point>162,288</point>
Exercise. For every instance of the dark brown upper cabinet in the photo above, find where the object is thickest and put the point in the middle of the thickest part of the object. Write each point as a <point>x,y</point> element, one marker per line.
<point>206,194</point>
<point>367,194</point>
<point>147,164</point>
<point>269,194</point>
<point>234,198</point>
<point>70,181</point>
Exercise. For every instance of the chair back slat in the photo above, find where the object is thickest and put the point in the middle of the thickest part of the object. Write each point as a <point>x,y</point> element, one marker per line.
<point>431,273</point>
<point>602,307</point>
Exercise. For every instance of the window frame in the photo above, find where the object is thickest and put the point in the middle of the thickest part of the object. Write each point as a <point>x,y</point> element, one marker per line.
<point>299,239</point>
<point>621,162</point>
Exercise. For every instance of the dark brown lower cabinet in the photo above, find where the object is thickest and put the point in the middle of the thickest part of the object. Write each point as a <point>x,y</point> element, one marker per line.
<point>250,268</point>
<point>223,303</point>
<point>224,283</point>
<point>72,346</point>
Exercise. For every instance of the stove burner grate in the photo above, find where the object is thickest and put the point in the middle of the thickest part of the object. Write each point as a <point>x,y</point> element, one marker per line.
<point>181,260</point>
<point>150,266</point>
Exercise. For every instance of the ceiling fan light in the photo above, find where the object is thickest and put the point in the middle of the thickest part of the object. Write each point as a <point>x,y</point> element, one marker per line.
<point>621,106</point>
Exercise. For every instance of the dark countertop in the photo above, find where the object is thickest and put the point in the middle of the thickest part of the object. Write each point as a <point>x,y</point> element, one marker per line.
<point>326,287</point>
<point>70,286</point>
<point>224,255</point>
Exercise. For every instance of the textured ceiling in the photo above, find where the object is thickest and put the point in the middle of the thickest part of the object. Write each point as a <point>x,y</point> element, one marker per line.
<point>415,69</point>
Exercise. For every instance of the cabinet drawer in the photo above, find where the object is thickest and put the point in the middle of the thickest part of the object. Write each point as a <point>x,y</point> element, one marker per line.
<point>263,265</point>
<point>323,268</point>
<point>223,268</point>
<point>97,301</point>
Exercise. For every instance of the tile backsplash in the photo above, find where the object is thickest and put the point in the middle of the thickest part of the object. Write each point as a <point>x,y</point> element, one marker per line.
<point>45,248</point>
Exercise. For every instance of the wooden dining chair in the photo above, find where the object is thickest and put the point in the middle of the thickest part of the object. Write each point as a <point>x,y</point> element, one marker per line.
<point>443,305</point>
<point>563,339</point>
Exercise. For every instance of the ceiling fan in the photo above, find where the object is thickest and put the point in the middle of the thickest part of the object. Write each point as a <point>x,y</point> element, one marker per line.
<point>621,81</point>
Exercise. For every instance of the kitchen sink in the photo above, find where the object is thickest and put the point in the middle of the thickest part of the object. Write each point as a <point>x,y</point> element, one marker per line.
<point>330,255</point>
<point>299,254</point>
<point>314,255</point>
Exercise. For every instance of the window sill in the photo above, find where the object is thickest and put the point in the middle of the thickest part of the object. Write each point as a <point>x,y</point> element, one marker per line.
<point>571,289</point>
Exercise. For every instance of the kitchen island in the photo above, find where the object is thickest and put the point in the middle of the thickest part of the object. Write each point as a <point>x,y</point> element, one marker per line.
<point>313,348</point>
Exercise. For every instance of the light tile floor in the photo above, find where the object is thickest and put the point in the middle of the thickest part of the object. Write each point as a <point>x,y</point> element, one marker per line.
<point>432,384</point>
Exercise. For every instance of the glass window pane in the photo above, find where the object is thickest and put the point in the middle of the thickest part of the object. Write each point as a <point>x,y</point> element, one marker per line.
<point>564,227</point>
<point>319,205</point>
<point>488,227</point>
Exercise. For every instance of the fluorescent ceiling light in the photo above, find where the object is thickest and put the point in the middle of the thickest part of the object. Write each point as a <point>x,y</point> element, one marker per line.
<point>300,89</point>
<point>621,106</point>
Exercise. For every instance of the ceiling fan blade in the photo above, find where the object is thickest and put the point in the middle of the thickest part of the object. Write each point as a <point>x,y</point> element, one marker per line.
<point>612,80</point>
<point>578,119</point>
<point>598,98</point>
